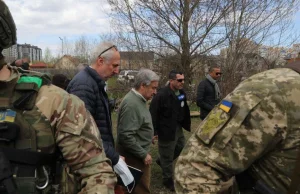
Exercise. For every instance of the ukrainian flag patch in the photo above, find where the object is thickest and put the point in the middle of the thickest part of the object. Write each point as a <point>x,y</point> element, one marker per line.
<point>7,116</point>
<point>225,105</point>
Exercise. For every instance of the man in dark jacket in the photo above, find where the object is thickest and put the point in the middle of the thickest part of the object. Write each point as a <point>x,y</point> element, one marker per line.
<point>170,112</point>
<point>208,92</point>
<point>90,86</point>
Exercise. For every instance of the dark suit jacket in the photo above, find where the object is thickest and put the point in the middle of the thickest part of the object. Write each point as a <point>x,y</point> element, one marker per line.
<point>206,97</point>
<point>164,109</point>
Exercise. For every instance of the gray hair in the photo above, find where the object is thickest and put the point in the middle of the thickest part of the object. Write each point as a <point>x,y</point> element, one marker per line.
<point>145,76</point>
<point>107,55</point>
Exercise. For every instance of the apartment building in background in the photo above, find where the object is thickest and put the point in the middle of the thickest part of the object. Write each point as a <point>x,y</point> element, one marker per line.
<point>19,51</point>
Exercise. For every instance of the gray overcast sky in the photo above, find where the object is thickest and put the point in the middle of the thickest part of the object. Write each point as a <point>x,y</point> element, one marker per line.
<point>42,22</point>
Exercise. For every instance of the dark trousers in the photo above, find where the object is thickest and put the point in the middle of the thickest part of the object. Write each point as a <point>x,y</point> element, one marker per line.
<point>169,151</point>
<point>143,187</point>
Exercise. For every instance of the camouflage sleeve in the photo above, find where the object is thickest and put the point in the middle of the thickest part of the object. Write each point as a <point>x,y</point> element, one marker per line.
<point>226,144</point>
<point>78,138</point>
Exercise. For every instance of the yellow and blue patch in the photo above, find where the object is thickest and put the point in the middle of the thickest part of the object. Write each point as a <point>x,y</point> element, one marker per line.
<point>225,105</point>
<point>7,116</point>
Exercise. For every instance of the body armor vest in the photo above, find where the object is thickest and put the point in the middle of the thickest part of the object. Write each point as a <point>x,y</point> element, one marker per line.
<point>26,137</point>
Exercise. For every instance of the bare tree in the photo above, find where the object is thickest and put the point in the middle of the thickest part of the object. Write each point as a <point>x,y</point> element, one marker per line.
<point>250,25</point>
<point>48,57</point>
<point>80,48</point>
<point>187,30</point>
<point>180,27</point>
<point>83,48</point>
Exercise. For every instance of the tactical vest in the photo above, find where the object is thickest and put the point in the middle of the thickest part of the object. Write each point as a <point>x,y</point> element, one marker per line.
<point>26,137</point>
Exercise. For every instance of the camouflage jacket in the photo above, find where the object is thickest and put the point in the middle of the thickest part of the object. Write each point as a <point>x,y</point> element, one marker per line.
<point>259,132</point>
<point>65,117</point>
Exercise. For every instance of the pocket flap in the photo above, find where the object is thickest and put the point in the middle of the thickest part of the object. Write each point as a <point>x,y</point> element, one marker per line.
<point>236,121</point>
<point>215,120</point>
<point>230,122</point>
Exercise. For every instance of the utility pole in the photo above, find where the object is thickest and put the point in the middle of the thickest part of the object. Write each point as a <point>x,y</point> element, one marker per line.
<point>62,46</point>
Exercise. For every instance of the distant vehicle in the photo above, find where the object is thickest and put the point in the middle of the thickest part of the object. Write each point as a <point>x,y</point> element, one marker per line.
<point>131,75</point>
<point>127,75</point>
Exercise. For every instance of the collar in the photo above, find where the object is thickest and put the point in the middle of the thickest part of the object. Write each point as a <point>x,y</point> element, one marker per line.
<point>139,94</point>
<point>172,92</point>
<point>93,73</point>
<point>210,79</point>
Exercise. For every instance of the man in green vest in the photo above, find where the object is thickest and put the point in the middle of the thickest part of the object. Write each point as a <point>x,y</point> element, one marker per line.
<point>49,142</point>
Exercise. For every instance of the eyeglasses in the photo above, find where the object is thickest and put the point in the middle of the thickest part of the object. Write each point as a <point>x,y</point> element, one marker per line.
<point>113,46</point>
<point>218,73</point>
<point>180,80</point>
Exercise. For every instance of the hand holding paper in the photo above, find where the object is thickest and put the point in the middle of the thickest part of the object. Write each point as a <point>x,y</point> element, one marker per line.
<point>122,170</point>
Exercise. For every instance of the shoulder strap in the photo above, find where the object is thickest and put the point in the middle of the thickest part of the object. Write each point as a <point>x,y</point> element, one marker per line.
<point>26,90</point>
<point>295,179</point>
<point>46,80</point>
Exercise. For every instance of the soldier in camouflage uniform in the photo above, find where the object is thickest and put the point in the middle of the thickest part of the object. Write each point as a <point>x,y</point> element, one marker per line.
<point>46,120</point>
<point>253,134</point>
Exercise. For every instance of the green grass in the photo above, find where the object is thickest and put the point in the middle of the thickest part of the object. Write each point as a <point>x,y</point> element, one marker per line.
<point>193,106</point>
<point>156,173</point>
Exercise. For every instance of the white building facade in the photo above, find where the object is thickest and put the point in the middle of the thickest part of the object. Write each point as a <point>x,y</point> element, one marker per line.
<point>19,51</point>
